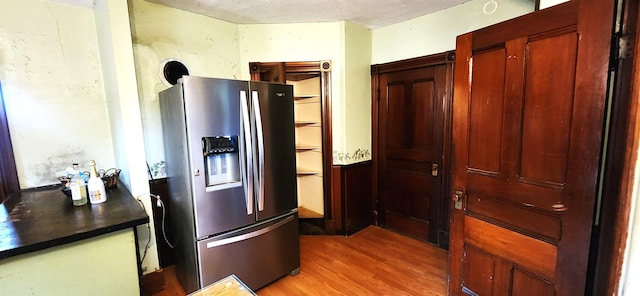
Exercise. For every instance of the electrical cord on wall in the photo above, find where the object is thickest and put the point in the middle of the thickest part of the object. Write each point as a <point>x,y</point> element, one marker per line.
<point>160,204</point>
<point>146,247</point>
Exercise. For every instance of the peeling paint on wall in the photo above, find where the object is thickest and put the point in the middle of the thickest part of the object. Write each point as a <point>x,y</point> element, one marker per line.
<point>53,90</point>
<point>208,47</point>
<point>48,171</point>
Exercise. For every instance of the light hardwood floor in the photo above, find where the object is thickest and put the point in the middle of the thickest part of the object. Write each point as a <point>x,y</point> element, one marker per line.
<point>374,261</point>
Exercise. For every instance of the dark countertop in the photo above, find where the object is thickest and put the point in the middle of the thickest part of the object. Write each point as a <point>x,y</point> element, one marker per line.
<point>36,219</point>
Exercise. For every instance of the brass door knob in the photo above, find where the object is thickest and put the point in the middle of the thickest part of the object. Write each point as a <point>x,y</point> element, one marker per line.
<point>457,199</point>
<point>457,196</point>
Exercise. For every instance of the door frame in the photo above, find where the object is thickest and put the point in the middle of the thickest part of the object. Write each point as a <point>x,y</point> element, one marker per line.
<point>610,240</point>
<point>9,182</point>
<point>448,60</point>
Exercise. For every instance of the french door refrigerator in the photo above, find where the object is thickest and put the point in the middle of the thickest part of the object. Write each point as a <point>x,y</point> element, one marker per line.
<point>230,157</point>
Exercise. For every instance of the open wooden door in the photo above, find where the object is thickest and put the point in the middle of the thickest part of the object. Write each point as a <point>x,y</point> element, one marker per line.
<point>529,98</point>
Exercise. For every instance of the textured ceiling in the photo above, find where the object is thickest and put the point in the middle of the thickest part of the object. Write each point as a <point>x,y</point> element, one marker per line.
<point>85,3</point>
<point>369,13</point>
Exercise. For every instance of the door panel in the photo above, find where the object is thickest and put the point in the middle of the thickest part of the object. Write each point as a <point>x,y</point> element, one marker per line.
<point>527,128</point>
<point>548,102</point>
<point>522,250</point>
<point>278,160</point>
<point>485,118</point>
<point>395,128</point>
<point>479,271</point>
<point>411,123</point>
<point>423,99</point>
<point>258,254</point>
<point>525,283</point>
<point>212,108</point>
<point>515,216</point>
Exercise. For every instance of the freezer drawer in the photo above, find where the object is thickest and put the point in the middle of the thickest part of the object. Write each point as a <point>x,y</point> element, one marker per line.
<point>257,255</point>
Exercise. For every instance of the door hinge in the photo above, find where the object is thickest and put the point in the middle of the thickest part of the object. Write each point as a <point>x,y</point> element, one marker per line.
<point>625,46</point>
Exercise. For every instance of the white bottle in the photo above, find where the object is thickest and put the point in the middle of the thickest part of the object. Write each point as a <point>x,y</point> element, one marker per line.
<point>97,194</point>
<point>78,188</point>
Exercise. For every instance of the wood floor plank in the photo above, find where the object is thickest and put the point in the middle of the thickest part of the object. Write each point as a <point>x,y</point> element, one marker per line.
<point>373,261</point>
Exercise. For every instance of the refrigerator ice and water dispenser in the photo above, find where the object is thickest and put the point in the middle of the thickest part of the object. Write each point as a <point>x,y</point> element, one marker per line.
<point>222,161</point>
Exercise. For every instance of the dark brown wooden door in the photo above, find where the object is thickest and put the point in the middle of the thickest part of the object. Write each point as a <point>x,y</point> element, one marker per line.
<point>527,130</point>
<point>410,147</point>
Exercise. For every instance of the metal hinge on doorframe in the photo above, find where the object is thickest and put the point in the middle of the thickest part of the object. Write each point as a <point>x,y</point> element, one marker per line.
<point>622,48</point>
<point>625,46</point>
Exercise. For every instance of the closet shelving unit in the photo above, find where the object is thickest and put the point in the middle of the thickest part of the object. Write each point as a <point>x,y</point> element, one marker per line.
<point>308,124</point>
<point>311,81</point>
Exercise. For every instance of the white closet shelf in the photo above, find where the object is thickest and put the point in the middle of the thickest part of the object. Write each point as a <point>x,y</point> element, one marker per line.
<point>307,123</point>
<point>308,172</point>
<point>307,213</point>
<point>305,97</point>
<point>307,147</point>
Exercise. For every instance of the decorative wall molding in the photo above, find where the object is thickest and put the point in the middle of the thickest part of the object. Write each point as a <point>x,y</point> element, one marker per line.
<point>358,155</point>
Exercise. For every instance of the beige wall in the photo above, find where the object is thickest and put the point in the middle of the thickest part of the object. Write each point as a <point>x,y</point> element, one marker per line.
<point>348,47</point>
<point>436,32</point>
<point>51,75</point>
<point>290,43</point>
<point>208,47</point>
<point>116,52</point>
<point>356,106</point>
<point>70,91</point>
<point>295,43</point>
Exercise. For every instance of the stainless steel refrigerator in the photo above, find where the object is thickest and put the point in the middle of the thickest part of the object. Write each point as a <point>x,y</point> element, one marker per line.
<point>230,156</point>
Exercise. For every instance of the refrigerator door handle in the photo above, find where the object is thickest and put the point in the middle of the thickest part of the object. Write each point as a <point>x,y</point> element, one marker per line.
<point>249,235</point>
<point>247,160</point>
<point>255,104</point>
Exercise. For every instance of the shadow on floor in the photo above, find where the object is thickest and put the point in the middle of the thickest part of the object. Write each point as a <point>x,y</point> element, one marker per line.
<point>310,229</point>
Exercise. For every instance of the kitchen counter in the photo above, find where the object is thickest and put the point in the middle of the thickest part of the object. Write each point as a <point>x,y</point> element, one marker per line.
<point>36,219</point>
<point>49,247</point>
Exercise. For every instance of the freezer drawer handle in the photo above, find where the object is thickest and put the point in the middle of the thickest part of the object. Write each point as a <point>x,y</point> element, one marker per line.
<point>256,109</point>
<point>249,235</point>
<point>247,161</point>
